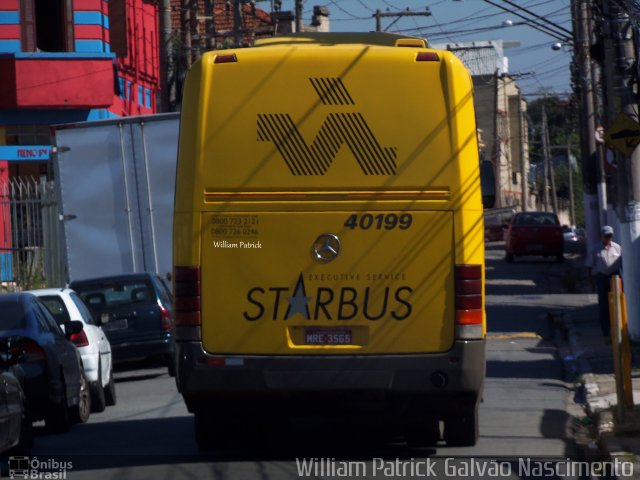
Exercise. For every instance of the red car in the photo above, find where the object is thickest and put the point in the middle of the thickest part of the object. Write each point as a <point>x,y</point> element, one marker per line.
<point>534,233</point>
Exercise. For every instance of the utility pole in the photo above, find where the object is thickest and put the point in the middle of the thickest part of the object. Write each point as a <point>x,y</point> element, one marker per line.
<point>523,146</point>
<point>601,176</point>
<point>398,15</point>
<point>545,153</point>
<point>209,25</point>
<point>186,30</point>
<point>572,203</point>
<point>547,158</point>
<point>496,151</point>
<point>167,88</point>
<point>582,62</point>
<point>299,16</point>
<point>195,31</point>
<point>237,23</point>
<point>628,168</point>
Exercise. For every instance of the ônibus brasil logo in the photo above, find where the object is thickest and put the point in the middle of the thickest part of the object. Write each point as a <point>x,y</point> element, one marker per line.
<point>344,303</point>
<point>339,128</point>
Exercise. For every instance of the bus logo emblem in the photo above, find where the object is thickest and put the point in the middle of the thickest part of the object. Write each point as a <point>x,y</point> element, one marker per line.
<point>326,248</point>
<point>337,129</point>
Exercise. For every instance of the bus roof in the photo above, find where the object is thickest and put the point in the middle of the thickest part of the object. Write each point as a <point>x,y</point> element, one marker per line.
<point>325,38</point>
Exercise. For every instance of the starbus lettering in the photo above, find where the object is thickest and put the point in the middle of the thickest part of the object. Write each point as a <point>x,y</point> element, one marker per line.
<point>324,303</point>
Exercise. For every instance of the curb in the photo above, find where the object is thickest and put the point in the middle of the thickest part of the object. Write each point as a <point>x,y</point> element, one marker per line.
<point>589,394</point>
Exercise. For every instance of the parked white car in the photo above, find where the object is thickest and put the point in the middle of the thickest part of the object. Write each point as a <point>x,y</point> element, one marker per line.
<point>66,305</point>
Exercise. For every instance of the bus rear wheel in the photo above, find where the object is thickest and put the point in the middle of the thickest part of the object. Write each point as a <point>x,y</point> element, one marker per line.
<point>462,430</point>
<point>424,433</point>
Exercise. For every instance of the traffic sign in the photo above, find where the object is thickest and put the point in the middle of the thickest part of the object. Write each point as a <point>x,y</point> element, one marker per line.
<point>623,134</point>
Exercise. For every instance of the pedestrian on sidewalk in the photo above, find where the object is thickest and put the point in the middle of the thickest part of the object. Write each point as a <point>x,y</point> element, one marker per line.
<point>606,260</point>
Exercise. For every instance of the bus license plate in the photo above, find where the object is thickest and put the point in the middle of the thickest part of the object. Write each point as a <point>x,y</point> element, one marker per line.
<point>325,336</point>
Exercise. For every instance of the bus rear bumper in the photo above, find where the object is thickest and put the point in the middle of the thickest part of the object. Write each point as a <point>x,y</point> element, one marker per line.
<point>459,372</point>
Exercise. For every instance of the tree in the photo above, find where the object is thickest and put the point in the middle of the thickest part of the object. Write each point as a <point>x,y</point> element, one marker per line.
<point>562,122</point>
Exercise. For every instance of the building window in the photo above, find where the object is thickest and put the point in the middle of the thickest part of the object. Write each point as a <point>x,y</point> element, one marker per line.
<point>46,25</point>
<point>123,94</point>
<point>28,135</point>
<point>140,95</point>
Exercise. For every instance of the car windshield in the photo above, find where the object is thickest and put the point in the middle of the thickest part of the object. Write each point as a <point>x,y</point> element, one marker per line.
<point>536,218</point>
<point>115,294</point>
<point>12,316</point>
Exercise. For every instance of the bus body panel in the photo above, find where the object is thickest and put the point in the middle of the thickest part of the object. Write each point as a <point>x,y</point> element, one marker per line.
<point>389,289</point>
<point>279,129</point>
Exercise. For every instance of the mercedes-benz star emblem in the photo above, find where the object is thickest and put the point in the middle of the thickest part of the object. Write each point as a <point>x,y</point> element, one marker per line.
<point>326,247</point>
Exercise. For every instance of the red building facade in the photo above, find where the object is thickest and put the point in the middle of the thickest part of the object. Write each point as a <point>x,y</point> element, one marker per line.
<point>64,61</point>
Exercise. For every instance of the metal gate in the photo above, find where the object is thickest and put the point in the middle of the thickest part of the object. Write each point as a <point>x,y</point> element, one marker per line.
<point>29,235</point>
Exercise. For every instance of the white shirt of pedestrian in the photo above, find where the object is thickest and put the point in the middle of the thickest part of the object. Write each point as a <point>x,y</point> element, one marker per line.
<point>607,259</point>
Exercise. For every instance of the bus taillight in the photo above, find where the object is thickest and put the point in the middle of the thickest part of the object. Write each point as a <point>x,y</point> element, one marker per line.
<point>187,296</point>
<point>427,57</point>
<point>226,58</point>
<point>469,313</point>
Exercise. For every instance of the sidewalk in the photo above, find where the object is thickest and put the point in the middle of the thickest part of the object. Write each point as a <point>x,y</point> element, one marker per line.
<point>591,359</point>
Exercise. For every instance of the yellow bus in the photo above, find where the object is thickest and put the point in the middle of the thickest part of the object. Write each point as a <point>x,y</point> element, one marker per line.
<point>328,234</point>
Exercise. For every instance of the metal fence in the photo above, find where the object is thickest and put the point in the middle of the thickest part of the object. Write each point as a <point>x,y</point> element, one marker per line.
<point>30,235</point>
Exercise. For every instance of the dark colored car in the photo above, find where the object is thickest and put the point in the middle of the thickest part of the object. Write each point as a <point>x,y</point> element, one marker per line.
<point>136,313</point>
<point>534,233</point>
<point>54,381</point>
<point>16,434</point>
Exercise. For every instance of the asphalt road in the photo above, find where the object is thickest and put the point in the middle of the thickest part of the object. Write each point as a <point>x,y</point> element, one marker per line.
<point>149,433</point>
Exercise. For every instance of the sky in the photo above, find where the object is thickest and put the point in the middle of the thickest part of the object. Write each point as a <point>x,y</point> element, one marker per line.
<point>541,68</point>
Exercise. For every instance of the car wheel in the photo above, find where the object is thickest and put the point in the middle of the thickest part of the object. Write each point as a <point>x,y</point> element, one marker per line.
<point>509,257</point>
<point>171,364</point>
<point>25,444</point>
<point>110,391</point>
<point>424,433</point>
<point>98,400</point>
<point>204,424</point>
<point>57,416</point>
<point>462,429</point>
<point>212,431</point>
<point>80,412</point>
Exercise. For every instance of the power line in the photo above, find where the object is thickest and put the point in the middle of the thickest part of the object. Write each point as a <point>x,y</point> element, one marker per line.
<point>406,13</point>
<point>546,20</point>
<point>354,17</point>
<point>534,24</point>
<point>474,17</point>
<point>364,5</point>
<point>425,30</point>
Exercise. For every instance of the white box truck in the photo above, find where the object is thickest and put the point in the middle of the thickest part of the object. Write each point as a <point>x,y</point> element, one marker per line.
<point>115,183</point>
